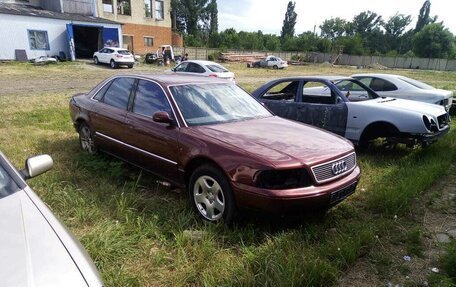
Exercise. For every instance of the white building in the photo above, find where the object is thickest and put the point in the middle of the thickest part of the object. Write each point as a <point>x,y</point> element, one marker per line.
<point>41,32</point>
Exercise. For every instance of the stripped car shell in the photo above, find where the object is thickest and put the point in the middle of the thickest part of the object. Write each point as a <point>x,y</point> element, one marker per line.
<point>220,143</point>
<point>326,102</point>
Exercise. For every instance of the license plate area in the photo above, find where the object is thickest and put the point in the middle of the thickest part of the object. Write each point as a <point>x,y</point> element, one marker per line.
<point>341,194</point>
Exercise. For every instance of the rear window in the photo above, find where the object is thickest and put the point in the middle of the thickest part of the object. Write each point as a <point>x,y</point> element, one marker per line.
<point>419,85</point>
<point>217,69</point>
<point>123,52</point>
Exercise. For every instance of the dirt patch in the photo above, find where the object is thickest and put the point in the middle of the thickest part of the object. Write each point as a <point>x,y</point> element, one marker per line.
<point>391,263</point>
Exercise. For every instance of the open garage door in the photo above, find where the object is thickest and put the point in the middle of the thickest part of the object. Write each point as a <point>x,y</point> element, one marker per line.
<point>70,39</point>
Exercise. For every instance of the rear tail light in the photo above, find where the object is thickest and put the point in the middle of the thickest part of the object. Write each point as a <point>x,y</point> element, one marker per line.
<point>213,76</point>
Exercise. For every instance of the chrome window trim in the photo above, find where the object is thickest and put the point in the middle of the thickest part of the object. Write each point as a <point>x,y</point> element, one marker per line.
<point>136,148</point>
<point>146,79</point>
<point>335,160</point>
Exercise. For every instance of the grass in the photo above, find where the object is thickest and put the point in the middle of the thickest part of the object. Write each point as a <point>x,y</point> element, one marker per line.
<point>141,234</point>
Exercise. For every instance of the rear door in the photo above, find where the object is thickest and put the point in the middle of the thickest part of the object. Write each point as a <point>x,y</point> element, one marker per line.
<point>155,145</point>
<point>108,119</point>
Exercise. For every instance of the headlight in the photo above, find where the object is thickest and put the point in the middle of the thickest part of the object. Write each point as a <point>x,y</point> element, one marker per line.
<point>283,179</point>
<point>430,124</point>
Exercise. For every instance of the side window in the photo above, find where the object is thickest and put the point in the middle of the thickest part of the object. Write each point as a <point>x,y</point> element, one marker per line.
<point>318,93</point>
<point>380,85</point>
<point>150,99</point>
<point>102,91</point>
<point>194,68</point>
<point>283,91</point>
<point>118,93</point>
<point>365,81</point>
<point>181,68</point>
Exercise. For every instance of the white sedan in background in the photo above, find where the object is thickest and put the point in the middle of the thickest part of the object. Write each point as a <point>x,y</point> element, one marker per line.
<point>396,86</point>
<point>203,68</point>
<point>35,248</point>
<point>114,57</point>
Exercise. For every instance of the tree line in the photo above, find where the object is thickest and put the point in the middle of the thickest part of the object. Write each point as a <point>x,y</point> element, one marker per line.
<point>366,34</point>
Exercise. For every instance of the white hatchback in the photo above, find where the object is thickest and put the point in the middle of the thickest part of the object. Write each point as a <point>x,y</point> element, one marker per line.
<point>114,57</point>
<point>203,68</point>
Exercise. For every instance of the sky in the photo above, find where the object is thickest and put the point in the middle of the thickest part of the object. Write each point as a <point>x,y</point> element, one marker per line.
<point>267,16</point>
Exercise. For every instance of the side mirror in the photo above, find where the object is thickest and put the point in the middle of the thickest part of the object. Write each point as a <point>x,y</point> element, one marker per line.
<point>162,117</point>
<point>37,165</point>
<point>173,69</point>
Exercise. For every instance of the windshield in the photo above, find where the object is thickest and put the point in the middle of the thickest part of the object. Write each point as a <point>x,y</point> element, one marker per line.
<point>7,185</point>
<point>418,84</point>
<point>217,68</point>
<point>205,104</point>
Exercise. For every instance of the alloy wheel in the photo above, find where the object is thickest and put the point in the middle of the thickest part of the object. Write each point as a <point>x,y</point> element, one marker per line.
<point>209,198</point>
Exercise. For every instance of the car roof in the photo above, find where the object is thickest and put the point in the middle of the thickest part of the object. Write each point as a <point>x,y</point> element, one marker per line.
<point>175,79</point>
<point>318,78</point>
<point>378,75</point>
<point>116,48</point>
<point>203,62</point>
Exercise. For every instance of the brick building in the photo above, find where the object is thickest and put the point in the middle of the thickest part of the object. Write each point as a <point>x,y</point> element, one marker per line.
<point>146,23</point>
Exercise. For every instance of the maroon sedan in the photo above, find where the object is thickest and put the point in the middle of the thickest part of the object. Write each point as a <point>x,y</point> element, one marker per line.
<point>213,138</point>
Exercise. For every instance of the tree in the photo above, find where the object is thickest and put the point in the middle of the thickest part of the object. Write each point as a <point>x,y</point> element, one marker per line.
<point>365,22</point>
<point>423,17</point>
<point>333,28</point>
<point>433,41</point>
<point>394,31</point>
<point>194,16</point>
<point>289,22</point>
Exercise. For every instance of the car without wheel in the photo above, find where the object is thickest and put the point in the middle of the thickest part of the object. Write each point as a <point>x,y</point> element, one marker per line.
<point>327,102</point>
<point>115,57</point>
<point>213,138</point>
<point>203,69</point>
<point>401,87</point>
<point>35,247</point>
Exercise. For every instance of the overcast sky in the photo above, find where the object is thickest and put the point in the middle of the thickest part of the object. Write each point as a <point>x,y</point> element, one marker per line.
<point>267,16</point>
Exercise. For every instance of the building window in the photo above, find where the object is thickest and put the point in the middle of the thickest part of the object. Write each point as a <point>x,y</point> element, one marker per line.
<point>38,40</point>
<point>148,41</point>
<point>124,7</point>
<point>148,8</point>
<point>108,6</point>
<point>159,10</point>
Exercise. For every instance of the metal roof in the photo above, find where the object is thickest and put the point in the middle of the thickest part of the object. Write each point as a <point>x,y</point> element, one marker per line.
<point>27,10</point>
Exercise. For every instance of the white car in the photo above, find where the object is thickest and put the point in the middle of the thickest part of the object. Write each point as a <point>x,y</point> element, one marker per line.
<point>115,57</point>
<point>35,247</point>
<point>396,86</point>
<point>270,62</point>
<point>326,102</point>
<point>203,68</point>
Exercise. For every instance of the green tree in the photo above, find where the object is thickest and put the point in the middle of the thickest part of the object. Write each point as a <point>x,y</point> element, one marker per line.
<point>194,16</point>
<point>394,31</point>
<point>333,28</point>
<point>433,41</point>
<point>288,28</point>
<point>423,17</point>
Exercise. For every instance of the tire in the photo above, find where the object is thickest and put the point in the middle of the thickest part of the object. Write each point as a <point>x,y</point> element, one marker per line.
<point>211,195</point>
<point>95,61</point>
<point>113,64</point>
<point>275,67</point>
<point>86,141</point>
<point>130,66</point>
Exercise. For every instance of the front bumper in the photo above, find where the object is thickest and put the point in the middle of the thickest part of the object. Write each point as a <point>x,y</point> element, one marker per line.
<point>431,138</point>
<point>296,200</point>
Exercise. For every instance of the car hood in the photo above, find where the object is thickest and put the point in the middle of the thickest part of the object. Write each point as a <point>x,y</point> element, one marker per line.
<point>280,141</point>
<point>31,253</point>
<point>406,105</point>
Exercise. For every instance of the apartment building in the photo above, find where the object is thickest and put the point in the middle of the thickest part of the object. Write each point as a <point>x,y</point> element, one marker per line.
<point>146,23</point>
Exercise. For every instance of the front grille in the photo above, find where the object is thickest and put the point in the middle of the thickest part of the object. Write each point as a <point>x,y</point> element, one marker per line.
<point>334,169</point>
<point>443,121</point>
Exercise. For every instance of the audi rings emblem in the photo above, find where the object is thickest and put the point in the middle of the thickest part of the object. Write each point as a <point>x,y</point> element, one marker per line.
<point>339,167</point>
